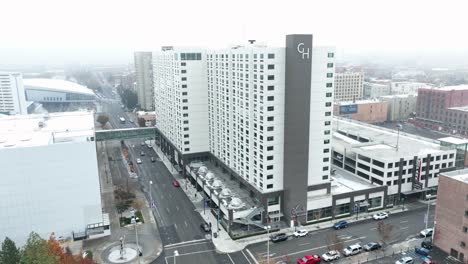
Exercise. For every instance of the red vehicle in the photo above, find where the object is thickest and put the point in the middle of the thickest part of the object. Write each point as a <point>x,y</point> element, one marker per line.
<point>175,183</point>
<point>308,259</point>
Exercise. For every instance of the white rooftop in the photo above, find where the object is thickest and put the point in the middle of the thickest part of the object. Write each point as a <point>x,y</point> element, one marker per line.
<point>460,108</point>
<point>25,131</point>
<point>460,175</point>
<point>369,101</point>
<point>56,85</point>
<point>398,96</point>
<point>381,141</point>
<point>454,140</point>
<point>450,88</point>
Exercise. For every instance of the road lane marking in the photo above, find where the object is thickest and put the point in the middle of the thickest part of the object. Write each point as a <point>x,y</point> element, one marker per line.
<point>230,259</point>
<point>167,209</point>
<point>250,253</point>
<point>185,243</point>
<point>311,249</point>
<point>402,222</point>
<point>185,223</point>
<point>304,244</point>
<point>405,227</point>
<point>374,228</point>
<point>177,207</point>
<point>175,226</point>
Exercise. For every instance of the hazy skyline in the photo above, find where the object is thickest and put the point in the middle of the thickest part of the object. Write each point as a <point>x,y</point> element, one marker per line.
<point>53,32</point>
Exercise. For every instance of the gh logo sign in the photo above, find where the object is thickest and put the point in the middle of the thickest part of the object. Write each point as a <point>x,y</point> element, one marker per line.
<point>305,52</point>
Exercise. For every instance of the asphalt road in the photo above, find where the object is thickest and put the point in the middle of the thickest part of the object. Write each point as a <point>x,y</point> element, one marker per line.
<point>405,226</point>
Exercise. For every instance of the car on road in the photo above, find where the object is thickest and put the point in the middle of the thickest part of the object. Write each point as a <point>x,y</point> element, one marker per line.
<point>131,120</point>
<point>380,216</point>
<point>301,233</point>
<point>427,244</point>
<point>405,260</point>
<point>352,250</point>
<point>205,227</point>
<point>426,232</point>
<point>371,246</point>
<point>175,183</point>
<point>331,255</point>
<point>341,224</point>
<point>149,146</point>
<point>279,237</point>
<point>309,259</point>
<point>142,143</point>
<point>138,161</point>
<point>153,159</point>
<point>422,251</point>
<point>142,153</point>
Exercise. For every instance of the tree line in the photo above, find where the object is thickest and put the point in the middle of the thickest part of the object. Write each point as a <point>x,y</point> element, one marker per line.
<point>40,251</point>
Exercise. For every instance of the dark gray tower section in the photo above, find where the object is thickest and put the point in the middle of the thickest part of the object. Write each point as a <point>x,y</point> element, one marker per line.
<point>296,125</point>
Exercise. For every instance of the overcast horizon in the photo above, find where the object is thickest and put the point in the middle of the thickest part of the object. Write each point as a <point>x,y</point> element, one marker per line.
<point>108,32</point>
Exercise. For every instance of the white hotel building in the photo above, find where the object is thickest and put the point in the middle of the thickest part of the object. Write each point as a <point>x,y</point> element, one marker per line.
<point>12,96</point>
<point>253,111</point>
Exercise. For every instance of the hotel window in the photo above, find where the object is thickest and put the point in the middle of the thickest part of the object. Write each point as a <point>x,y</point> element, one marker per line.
<point>325,168</point>
<point>331,55</point>
<point>326,132</point>
<point>326,159</point>
<point>329,85</point>
<point>324,177</point>
<point>271,87</point>
<point>183,71</point>
<point>327,113</point>
<point>271,66</point>
<point>271,55</point>
<point>271,77</point>
<point>270,98</point>
<point>270,118</point>
<point>269,167</point>
<point>328,94</point>
<point>269,186</point>
<point>329,65</point>
<point>327,123</point>
<point>329,75</point>
<point>327,104</point>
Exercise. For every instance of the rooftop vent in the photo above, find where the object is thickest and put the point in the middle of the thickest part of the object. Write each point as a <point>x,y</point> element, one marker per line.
<point>251,41</point>
<point>41,124</point>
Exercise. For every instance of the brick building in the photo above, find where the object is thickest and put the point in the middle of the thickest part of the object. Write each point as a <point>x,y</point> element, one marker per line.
<point>451,216</point>
<point>367,111</point>
<point>434,105</point>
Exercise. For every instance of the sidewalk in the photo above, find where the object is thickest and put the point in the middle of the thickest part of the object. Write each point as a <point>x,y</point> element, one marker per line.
<point>224,242</point>
<point>148,234</point>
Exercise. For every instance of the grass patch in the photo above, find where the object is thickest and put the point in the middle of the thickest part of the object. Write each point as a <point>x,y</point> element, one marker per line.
<point>140,216</point>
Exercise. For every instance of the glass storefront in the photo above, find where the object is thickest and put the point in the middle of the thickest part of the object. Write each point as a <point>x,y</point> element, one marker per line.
<point>320,213</point>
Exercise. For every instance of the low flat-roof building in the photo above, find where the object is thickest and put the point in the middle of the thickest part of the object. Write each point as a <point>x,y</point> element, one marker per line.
<point>49,175</point>
<point>368,111</point>
<point>451,215</point>
<point>407,164</point>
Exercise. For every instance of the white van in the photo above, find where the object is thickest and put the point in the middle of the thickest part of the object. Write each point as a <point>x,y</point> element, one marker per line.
<point>352,250</point>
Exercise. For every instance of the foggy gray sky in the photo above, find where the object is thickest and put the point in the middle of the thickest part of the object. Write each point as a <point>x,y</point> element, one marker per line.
<point>105,31</point>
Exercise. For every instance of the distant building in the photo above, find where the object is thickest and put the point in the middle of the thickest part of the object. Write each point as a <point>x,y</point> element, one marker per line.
<point>451,214</point>
<point>57,91</point>
<point>367,111</point>
<point>148,117</point>
<point>348,86</point>
<point>443,106</point>
<point>407,164</point>
<point>144,79</point>
<point>377,88</point>
<point>400,106</point>
<point>49,176</point>
<point>406,87</point>
<point>12,96</point>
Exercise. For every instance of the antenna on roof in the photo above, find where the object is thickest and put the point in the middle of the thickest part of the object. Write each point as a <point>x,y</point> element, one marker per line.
<point>251,41</point>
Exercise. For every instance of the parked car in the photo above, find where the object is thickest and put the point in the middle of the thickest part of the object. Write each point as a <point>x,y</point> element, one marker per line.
<point>301,233</point>
<point>309,259</point>
<point>427,244</point>
<point>372,246</point>
<point>405,260</point>
<point>205,227</point>
<point>142,153</point>
<point>380,216</point>
<point>279,237</point>
<point>153,159</point>
<point>331,255</point>
<point>138,161</point>
<point>341,224</point>
<point>352,250</point>
<point>422,251</point>
<point>175,183</point>
<point>426,232</point>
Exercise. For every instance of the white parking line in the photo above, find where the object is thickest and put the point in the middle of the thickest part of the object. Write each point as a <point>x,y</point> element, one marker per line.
<point>187,243</point>
<point>304,244</point>
<point>405,221</point>
<point>231,259</point>
<point>404,227</point>
<point>185,223</point>
<point>167,209</point>
<point>175,225</point>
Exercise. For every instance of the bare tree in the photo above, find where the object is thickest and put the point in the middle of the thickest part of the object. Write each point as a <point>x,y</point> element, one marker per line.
<point>334,242</point>
<point>385,232</point>
<point>138,204</point>
<point>102,119</point>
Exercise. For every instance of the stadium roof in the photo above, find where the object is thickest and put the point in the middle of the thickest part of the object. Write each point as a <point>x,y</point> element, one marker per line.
<point>56,85</point>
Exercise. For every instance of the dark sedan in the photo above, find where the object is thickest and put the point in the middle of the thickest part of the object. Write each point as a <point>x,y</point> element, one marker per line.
<point>372,246</point>
<point>279,237</point>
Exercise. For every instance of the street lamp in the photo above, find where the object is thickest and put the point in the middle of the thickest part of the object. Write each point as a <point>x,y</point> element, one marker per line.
<point>151,197</point>
<point>267,228</point>
<point>176,254</point>
<point>399,126</point>
<point>426,219</point>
